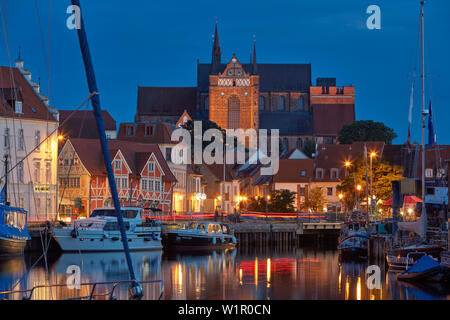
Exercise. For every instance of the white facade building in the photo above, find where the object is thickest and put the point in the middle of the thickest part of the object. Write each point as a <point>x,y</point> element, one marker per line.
<point>26,120</point>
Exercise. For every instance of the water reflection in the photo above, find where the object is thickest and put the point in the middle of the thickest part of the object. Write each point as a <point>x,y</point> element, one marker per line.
<point>297,273</point>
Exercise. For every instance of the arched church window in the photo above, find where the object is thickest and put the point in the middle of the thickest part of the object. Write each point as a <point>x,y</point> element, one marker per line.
<point>261,103</point>
<point>300,103</point>
<point>299,143</point>
<point>281,103</point>
<point>233,112</point>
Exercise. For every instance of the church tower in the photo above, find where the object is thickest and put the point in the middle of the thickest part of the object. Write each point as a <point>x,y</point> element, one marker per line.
<point>234,96</point>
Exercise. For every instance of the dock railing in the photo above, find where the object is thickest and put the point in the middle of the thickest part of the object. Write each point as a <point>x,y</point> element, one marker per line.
<point>29,294</point>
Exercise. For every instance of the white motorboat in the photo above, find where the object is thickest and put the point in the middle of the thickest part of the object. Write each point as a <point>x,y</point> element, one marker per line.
<point>201,235</point>
<point>101,232</point>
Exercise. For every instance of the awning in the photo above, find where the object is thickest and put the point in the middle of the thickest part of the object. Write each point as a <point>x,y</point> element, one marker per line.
<point>407,200</point>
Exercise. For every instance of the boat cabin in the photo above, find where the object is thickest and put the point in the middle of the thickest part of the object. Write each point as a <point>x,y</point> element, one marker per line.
<point>206,227</point>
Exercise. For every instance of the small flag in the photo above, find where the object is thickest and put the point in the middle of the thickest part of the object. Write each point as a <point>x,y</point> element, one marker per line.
<point>3,194</point>
<point>431,134</point>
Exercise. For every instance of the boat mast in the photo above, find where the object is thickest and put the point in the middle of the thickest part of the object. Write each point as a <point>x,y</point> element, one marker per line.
<point>6,179</point>
<point>424,211</point>
<point>136,288</point>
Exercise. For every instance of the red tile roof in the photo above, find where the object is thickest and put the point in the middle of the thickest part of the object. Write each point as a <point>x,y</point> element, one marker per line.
<point>82,124</point>
<point>290,171</point>
<point>135,154</point>
<point>161,133</point>
<point>32,105</point>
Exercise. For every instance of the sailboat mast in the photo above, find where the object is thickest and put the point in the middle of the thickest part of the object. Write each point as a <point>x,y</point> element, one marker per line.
<point>423,98</point>
<point>93,90</point>
<point>424,210</point>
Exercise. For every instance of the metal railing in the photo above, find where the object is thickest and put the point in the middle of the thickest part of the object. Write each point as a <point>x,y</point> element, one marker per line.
<point>28,294</point>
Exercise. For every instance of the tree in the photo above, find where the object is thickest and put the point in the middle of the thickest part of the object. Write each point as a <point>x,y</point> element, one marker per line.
<point>280,201</point>
<point>309,148</point>
<point>366,130</point>
<point>314,200</point>
<point>383,175</point>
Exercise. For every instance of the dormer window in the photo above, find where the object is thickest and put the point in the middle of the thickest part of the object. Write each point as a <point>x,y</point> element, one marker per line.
<point>303,173</point>
<point>148,131</point>
<point>429,173</point>
<point>319,173</point>
<point>130,131</point>
<point>334,173</point>
<point>18,107</point>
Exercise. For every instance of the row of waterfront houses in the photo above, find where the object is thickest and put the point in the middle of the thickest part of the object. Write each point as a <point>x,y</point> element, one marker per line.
<point>56,167</point>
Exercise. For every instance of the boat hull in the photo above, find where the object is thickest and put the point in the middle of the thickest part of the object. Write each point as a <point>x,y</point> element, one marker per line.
<point>97,242</point>
<point>397,259</point>
<point>11,247</point>
<point>182,241</point>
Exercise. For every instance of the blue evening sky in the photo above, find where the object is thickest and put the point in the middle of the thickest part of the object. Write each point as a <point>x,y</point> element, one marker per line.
<point>157,43</point>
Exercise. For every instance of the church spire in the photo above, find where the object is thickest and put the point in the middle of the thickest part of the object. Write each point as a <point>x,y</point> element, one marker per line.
<point>216,54</point>
<point>254,64</point>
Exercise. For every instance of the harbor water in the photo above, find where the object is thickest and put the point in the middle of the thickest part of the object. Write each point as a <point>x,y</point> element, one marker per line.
<point>263,274</point>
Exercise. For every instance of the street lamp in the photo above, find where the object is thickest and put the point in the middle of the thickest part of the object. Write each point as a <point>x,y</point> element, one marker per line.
<point>358,188</point>
<point>372,155</point>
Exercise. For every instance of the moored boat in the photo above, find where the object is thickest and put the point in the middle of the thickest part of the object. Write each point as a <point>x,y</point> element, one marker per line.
<point>354,240</point>
<point>200,236</point>
<point>425,269</point>
<point>13,230</point>
<point>101,232</point>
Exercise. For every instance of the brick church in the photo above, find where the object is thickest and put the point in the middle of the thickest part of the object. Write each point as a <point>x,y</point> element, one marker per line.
<point>255,95</point>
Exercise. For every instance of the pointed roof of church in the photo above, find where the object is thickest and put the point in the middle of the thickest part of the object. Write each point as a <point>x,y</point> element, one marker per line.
<point>254,64</point>
<point>216,53</point>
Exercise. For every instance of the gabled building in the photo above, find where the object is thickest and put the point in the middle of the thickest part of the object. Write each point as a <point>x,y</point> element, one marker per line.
<point>142,176</point>
<point>29,136</point>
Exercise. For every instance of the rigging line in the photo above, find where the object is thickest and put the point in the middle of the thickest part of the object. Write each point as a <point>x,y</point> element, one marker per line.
<point>53,132</point>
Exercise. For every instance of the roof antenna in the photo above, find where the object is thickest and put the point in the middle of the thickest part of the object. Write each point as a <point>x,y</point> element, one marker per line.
<point>20,55</point>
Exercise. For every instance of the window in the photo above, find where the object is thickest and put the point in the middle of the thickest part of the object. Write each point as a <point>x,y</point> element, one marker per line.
<point>157,185</point>
<point>207,103</point>
<point>38,204</point>
<point>151,167</point>
<point>21,202</point>
<point>124,183</point>
<point>300,105</point>
<point>21,142</point>
<point>130,131</point>
<point>319,173</point>
<point>334,173</point>
<point>281,103</point>
<point>302,191</point>
<point>20,172</point>
<point>299,143</point>
<point>234,112</point>
<point>150,185</point>
<point>74,182</point>
<point>18,106</point>
<point>144,184</point>
<point>117,165</point>
<point>48,172</point>
<point>37,140</point>
<point>6,141</point>
<point>261,103</point>
<point>303,173</point>
<point>148,131</point>
<point>169,154</point>
<point>329,191</point>
<point>49,204</point>
<point>37,172</point>
<point>429,173</point>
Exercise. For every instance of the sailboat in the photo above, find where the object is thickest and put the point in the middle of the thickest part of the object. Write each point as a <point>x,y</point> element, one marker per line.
<point>405,255</point>
<point>13,224</point>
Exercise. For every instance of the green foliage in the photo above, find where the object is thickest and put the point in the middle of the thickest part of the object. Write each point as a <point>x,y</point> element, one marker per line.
<point>309,148</point>
<point>366,130</point>
<point>383,175</point>
<point>280,201</point>
<point>314,200</point>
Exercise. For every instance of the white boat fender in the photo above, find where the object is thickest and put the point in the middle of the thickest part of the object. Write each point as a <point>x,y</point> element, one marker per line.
<point>214,241</point>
